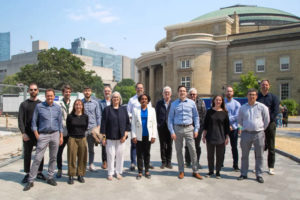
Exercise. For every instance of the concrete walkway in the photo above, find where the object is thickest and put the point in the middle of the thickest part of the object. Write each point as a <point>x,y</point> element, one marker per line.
<point>164,184</point>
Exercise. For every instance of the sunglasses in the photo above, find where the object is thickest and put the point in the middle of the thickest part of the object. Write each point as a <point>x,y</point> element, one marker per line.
<point>33,89</point>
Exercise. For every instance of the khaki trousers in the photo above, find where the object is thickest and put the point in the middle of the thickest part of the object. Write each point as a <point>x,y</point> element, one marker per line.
<point>77,151</point>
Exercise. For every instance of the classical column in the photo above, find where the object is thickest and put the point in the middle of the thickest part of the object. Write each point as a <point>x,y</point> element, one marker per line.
<point>164,65</point>
<point>151,82</point>
<point>143,76</point>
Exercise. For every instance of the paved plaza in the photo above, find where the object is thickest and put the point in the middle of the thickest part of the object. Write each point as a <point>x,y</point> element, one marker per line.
<point>164,184</point>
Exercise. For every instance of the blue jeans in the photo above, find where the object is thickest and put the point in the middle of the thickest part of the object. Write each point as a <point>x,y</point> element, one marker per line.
<point>133,153</point>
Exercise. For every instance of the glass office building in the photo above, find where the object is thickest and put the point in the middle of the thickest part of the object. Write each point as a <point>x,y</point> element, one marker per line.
<point>102,56</point>
<point>4,46</point>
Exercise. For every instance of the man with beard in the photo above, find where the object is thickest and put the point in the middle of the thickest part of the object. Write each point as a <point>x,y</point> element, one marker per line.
<point>91,108</point>
<point>24,119</point>
<point>233,107</point>
<point>66,108</point>
<point>47,128</point>
<point>102,104</point>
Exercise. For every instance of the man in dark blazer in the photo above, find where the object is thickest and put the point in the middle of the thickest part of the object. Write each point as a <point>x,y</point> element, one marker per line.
<point>102,104</point>
<point>162,111</point>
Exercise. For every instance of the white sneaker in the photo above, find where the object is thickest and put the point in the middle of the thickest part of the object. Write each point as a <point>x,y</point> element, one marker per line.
<point>92,168</point>
<point>271,171</point>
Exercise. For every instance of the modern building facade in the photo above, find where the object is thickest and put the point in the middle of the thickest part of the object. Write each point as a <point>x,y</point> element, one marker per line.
<point>213,50</point>
<point>102,56</point>
<point>4,46</point>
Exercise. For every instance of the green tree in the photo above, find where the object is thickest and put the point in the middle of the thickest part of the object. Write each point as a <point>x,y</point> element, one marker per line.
<point>10,80</point>
<point>126,87</point>
<point>58,67</point>
<point>247,81</point>
<point>291,105</point>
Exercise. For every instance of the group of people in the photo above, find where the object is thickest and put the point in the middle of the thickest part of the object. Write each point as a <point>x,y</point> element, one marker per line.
<point>184,120</point>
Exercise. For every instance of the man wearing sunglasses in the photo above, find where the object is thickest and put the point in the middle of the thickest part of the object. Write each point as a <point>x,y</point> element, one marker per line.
<point>29,140</point>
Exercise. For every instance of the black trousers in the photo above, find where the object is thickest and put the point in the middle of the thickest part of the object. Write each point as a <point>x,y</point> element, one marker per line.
<point>270,143</point>
<point>198,149</point>
<point>166,143</point>
<point>104,157</point>
<point>28,146</point>
<point>233,135</point>
<point>211,149</point>
<point>60,152</point>
<point>143,154</point>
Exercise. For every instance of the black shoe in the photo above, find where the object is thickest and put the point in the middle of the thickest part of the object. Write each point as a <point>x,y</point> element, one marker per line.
<point>28,186</point>
<point>169,166</point>
<point>139,176</point>
<point>163,165</point>
<point>151,166</point>
<point>52,182</point>
<point>209,174</point>
<point>236,168</point>
<point>218,175</point>
<point>242,178</point>
<point>41,176</point>
<point>71,180</point>
<point>81,179</point>
<point>148,176</point>
<point>25,179</point>
<point>260,179</point>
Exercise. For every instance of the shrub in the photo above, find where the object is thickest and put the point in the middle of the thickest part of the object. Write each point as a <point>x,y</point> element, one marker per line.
<point>291,105</point>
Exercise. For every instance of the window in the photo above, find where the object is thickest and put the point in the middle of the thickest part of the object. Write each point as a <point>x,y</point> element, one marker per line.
<point>284,91</point>
<point>186,81</point>
<point>260,65</point>
<point>284,63</point>
<point>238,66</point>
<point>185,64</point>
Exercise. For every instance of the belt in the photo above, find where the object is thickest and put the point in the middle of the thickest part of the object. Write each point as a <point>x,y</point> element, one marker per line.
<point>49,132</point>
<point>184,125</point>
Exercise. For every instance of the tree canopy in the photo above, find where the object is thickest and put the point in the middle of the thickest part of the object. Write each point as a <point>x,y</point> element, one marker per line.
<point>247,81</point>
<point>126,87</point>
<point>56,68</point>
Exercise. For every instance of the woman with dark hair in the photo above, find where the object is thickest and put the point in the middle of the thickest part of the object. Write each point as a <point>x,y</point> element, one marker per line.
<point>215,134</point>
<point>115,126</point>
<point>77,123</point>
<point>143,133</point>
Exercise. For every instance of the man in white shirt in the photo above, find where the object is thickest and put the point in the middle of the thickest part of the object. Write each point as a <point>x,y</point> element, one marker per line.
<point>134,103</point>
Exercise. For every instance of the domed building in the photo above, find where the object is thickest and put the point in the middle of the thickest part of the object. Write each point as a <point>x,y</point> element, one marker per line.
<point>213,50</point>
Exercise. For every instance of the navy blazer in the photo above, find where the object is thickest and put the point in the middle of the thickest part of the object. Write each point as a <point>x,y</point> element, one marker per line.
<point>123,118</point>
<point>102,105</point>
<point>162,113</point>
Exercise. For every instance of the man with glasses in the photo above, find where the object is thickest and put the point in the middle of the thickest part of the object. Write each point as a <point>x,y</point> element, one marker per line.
<point>193,95</point>
<point>29,140</point>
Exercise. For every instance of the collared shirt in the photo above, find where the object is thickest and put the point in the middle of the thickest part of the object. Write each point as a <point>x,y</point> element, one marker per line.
<point>91,108</point>
<point>272,102</point>
<point>46,118</point>
<point>254,118</point>
<point>233,107</point>
<point>134,103</point>
<point>183,113</point>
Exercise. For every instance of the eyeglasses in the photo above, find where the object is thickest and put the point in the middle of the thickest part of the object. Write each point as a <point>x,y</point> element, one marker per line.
<point>193,94</point>
<point>33,89</point>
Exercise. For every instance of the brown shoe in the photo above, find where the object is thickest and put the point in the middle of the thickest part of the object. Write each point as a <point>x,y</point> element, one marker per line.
<point>197,175</point>
<point>181,175</point>
<point>104,165</point>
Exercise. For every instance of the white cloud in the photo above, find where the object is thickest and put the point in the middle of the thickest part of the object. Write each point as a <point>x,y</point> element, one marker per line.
<point>97,12</point>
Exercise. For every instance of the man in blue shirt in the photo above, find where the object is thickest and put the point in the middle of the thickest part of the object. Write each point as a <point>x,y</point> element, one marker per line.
<point>182,116</point>
<point>91,108</point>
<point>48,130</point>
<point>233,107</point>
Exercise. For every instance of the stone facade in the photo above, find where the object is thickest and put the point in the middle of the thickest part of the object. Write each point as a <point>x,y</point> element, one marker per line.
<point>209,52</point>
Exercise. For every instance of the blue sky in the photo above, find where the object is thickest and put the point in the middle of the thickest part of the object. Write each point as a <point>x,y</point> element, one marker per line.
<point>129,26</point>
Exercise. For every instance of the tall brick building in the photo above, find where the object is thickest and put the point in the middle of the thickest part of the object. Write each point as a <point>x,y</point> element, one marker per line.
<point>213,50</point>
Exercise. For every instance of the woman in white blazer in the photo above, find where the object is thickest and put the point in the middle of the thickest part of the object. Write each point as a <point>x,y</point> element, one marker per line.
<point>143,133</point>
